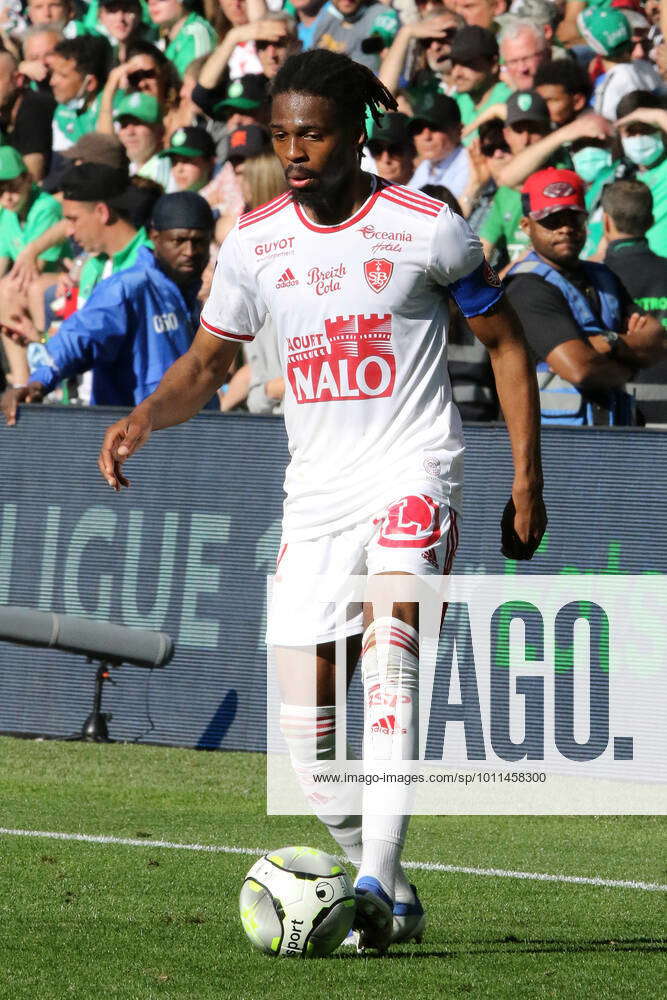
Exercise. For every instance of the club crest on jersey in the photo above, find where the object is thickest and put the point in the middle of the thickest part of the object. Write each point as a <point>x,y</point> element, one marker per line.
<point>378,273</point>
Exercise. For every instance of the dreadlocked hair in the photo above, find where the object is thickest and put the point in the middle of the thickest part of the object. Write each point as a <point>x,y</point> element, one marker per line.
<point>352,88</point>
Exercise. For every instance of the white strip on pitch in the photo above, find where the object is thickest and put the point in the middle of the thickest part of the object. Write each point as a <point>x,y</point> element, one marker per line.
<point>428,866</point>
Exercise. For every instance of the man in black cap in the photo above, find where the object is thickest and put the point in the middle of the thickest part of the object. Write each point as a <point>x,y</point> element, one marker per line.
<point>247,141</point>
<point>191,151</point>
<point>97,205</point>
<point>244,101</point>
<point>527,120</point>
<point>475,73</point>
<point>436,129</point>
<point>392,147</point>
<point>136,323</point>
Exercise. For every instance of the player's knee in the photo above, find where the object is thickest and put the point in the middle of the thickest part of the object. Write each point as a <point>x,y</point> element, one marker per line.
<point>390,654</point>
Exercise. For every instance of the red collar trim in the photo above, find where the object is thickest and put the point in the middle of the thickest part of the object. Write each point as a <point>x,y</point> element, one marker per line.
<point>364,210</point>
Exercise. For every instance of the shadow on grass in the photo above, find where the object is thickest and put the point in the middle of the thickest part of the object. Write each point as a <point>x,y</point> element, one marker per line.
<point>511,945</point>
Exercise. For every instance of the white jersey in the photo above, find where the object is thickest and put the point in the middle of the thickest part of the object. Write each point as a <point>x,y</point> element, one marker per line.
<point>361,316</point>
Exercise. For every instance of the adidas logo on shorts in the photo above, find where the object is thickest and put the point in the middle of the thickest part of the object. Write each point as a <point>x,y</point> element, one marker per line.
<point>430,557</point>
<point>287,279</point>
<point>387,726</point>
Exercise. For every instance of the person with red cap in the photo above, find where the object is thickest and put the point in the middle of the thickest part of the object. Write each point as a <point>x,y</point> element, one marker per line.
<point>586,333</point>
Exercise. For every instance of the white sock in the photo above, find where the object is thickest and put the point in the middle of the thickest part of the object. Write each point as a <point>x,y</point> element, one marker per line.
<point>310,734</point>
<point>402,890</point>
<point>390,668</point>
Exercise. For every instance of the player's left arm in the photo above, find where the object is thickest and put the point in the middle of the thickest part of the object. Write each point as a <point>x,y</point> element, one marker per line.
<point>456,261</point>
<point>524,519</point>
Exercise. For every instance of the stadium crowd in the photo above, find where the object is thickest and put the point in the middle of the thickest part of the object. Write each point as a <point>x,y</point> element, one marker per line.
<point>135,133</point>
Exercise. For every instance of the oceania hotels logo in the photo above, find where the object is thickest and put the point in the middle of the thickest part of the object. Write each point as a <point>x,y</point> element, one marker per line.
<point>386,239</point>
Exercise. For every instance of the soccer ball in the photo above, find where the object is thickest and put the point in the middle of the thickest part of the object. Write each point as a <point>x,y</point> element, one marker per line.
<point>297,902</point>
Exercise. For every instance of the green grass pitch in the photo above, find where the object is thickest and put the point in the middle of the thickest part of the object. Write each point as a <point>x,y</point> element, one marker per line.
<point>113,922</point>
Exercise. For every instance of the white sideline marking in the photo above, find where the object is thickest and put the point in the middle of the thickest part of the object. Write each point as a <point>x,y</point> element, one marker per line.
<point>427,866</point>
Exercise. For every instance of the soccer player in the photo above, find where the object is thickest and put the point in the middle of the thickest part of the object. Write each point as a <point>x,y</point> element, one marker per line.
<point>355,274</point>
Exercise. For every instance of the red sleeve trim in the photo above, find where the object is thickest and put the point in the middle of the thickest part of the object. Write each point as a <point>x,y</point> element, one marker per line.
<point>225,334</point>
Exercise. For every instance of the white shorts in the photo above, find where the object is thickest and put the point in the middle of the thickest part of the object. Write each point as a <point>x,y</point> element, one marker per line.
<point>415,534</point>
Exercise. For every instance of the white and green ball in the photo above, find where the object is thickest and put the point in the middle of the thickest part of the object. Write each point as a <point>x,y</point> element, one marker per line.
<point>297,902</point>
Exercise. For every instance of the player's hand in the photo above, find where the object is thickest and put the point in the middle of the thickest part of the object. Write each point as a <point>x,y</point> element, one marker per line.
<point>523,523</point>
<point>12,398</point>
<point>122,440</point>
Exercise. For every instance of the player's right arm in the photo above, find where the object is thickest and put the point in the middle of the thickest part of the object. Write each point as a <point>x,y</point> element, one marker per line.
<point>232,315</point>
<point>185,388</point>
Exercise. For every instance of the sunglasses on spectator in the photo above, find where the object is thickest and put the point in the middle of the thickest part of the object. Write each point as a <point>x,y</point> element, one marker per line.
<point>262,44</point>
<point>446,36</point>
<point>562,218</point>
<point>534,128</point>
<point>391,148</point>
<point>139,75</point>
<point>122,5</point>
<point>489,149</point>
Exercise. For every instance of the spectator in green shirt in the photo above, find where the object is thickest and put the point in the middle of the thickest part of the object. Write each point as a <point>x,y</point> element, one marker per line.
<point>56,14</point>
<point>186,36</point>
<point>79,68</point>
<point>120,21</point>
<point>191,158</point>
<point>25,213</point>
<point>642,126</point>
<point>527,122</point>
<point>481,13</point>
<point>138,118</point>
<point>474,57</point>
<point>97,205</point>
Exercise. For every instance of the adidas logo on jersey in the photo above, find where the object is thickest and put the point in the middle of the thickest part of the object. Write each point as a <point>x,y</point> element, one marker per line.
<point>287,279</point>
<point>387,726</point>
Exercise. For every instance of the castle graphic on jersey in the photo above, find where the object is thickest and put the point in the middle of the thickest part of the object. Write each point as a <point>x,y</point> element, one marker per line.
<point>352,359</point>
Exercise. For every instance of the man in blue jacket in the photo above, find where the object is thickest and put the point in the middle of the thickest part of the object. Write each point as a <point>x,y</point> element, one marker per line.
<point>137,322</point>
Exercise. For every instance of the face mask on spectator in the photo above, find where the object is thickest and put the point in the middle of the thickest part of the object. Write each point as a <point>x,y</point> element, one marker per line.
<point>79,101</point>
<point>643,149</point>
<point>590,161</point>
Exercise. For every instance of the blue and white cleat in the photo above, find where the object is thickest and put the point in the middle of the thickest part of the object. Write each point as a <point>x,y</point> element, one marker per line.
<point>350,941</point>
<point>409,921</point>
<point>374,919</point>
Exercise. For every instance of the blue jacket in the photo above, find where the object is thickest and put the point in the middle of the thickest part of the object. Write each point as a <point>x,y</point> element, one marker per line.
<point>132,328</point>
